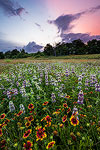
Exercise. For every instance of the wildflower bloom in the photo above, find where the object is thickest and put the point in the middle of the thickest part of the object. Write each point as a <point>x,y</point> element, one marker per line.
<point>40,134</point>
<point>48,124</point>
<point>50,145</point>
<point>2,116</point>
<point>30,106</point>
<point>28,145</point>
<point>0,132</point>
<point>45,103</point>
<point>69,109</point>
<point>48,118</point>
<point>20,112</point>
<point>27,133</point>
<point>65,105</point>
<point>64,118</point>
<point>67,97</point>
<point>74,120</point>
<point>61,125</point>
<point>2,143</point>
<point>30,118</point>
<point>27,124</point>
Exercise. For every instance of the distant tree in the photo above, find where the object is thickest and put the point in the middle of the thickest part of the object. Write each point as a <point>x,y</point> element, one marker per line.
<point>48,50</point>
<point>78,46</point>
<point>1,55</point>
<point>93,46</point>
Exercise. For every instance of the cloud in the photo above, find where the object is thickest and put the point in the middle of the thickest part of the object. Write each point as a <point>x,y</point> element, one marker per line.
<point>85,37</point>
<point>32,47</point>
<point>11,8</point>
<point>7,45</point>
<point>64,22</point>
<point>39,26</point>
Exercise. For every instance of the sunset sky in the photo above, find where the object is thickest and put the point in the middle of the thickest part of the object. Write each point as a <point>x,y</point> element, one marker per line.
<point>47,21</point>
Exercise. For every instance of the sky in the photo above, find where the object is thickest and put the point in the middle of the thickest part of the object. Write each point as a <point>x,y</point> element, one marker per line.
<point>34,23</point>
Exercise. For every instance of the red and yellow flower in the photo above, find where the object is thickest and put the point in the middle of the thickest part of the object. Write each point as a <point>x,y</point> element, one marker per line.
<point>27,133</point>
<point>30,118</point>
<point>64,118</point>
<point>28,145</point>
<point>69,109</point>
<point>2,143</point>
<point>40,134</point>
<point>50,144</point>
<point>27,124</point>
<point>65,105</point>
<point>48,118</point>
<point>74,121</point>
<point>30,106</point>
<point>20,112</point>
<point>45,103</point>
<point>2,116</point>
<point>1,133</point>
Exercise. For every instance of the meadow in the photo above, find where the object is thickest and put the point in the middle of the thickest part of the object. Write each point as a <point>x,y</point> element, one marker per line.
<point>50,104</point>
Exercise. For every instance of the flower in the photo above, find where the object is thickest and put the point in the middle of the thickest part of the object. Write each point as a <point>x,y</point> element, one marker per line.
<point>28,145</point>
<point>48,118</point>
<point>65,105</point>
<point>69,109</point>
<point>0,132</point>
<point>67,97</point>
<point>30,118</point>
<point>61,125</point>
<point>2,143</point>
<point>45,103</point>
<point>50,144</point>
<point>20,112</point>
<point>48,124</point>
<point>40,134</point>
<point>74,120</point>
<point>27,133</point>
<point>64,118</point>
<point>30,106</point>
<point>27,124</point>
<point>2,116</point>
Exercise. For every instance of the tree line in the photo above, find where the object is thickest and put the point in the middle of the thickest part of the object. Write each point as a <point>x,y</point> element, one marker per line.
<point>76,47</point>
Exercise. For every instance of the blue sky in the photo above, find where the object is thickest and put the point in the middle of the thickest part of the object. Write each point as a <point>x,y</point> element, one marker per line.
<point>43,21</point>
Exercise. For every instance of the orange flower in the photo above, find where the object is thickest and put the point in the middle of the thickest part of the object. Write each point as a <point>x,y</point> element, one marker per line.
<point>30,118</point>
<point>48,118</point>
<point>64,118</point>
<point>2,116</point>
<point>28,145</point>
<point>45,103</point>
<point>65,105</point>
<point>27,124</point>
<point>67,97</point>
<point>69,109</point>
<point>27,133</point>
<point>50,145</point>
<point>40,134</point>
<point>48,124</point>
<point>30,106</point>
<point>74,121</point>
<point>20,112</point>
<point>0,132</point>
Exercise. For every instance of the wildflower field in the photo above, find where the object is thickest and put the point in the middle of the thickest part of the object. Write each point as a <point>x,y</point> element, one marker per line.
<point>52,106</point>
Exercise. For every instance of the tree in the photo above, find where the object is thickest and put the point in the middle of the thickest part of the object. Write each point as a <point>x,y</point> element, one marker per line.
<point>48,50</point>
<point>1,55</point>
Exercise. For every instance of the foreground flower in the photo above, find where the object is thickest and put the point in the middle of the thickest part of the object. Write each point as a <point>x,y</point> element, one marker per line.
<point>48,118</point>
<point>74,121</point>
<point>64,118</point>
<point>27,133</point>
<point>27,124</point>
<point>30,106</point>
<point>45,103</point>
<point>65,105</point>
<point>50,145</point>
<point>2,143</point>
<point>2,116</point>
<point>0,133</point>
<point>40,134</point>
<point>28,145</point>
<point>20,112</point>
<point>30,118</point>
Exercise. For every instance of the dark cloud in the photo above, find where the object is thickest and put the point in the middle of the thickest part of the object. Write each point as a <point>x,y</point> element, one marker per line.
<point>11,8</point>
<point>32,47</point>
<point>73,36</point>
<point>64,22</point>
<point>7,45</point>
<point>39,26</point>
